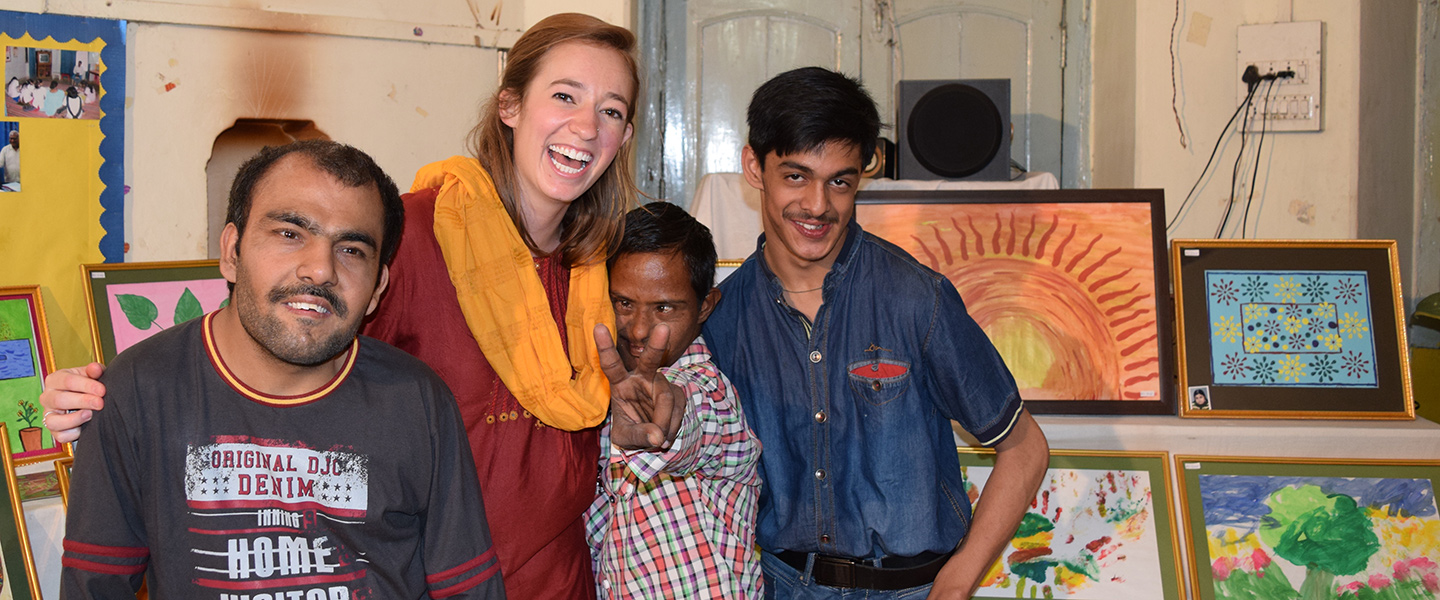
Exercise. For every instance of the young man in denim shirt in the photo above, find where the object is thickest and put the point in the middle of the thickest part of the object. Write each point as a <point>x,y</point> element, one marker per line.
<point>850,358</point>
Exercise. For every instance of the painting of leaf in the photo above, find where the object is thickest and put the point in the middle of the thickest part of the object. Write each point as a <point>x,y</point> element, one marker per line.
<point>187,308</point>
<point>139,310</point>
<point>191,298</point>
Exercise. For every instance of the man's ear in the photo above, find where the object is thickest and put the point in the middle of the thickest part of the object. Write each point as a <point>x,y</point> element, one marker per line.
<point>707,305</point>
<point>380,285</point>
<point>229,251</point>
<point>753,167</point>
<point>509,107</point>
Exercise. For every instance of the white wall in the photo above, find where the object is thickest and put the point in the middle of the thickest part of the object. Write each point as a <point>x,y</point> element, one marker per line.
<point>406,103</point>
<point>1308,181</point>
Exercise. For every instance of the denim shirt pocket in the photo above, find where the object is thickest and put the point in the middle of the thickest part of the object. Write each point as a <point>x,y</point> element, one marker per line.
<point>879,380</point>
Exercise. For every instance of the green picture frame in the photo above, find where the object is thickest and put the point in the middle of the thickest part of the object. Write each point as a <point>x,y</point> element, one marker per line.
<point>25,359</point>
<point>159,294</point>
<point>18,560</point>
<point>1101,527</point>
<point>1310,528</point>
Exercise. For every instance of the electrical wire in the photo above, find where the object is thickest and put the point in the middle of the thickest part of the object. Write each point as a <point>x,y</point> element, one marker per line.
<point>1255,170</point>
<point>1174,85</point>
<point>1235,172</point>
<point>1181,210</point>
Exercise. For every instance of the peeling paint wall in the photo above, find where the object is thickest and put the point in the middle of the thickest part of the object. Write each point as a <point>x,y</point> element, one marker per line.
<point>405,103</point>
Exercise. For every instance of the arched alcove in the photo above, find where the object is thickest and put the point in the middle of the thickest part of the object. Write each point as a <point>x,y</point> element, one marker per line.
<point>241,141</point>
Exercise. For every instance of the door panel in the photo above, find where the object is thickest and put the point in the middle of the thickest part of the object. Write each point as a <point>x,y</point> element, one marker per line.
<point>716,52</point>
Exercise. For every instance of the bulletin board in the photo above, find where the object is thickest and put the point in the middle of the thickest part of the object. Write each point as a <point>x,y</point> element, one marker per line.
<point>68,206</point>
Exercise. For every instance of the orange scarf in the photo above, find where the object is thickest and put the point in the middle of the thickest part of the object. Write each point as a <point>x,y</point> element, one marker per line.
<point>505,306</point>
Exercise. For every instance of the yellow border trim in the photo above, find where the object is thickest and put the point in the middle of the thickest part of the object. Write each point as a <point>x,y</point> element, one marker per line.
<point>1396,296</point>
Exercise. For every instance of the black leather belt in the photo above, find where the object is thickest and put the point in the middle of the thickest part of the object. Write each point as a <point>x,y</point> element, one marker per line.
<point>899,572</point>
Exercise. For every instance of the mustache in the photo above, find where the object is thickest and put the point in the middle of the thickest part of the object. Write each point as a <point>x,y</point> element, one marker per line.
<point>337,305</point>
<point>800,214</point>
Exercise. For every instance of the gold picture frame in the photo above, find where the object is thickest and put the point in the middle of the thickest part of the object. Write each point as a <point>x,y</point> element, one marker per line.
<point>1291,329</point>
<point>155,294</point>
<point>14,537</point>
<point>25,359</point>
<point>725,266</point>
<point>62,476</point>
<point>1248,502</point>
<point>1152,568</point>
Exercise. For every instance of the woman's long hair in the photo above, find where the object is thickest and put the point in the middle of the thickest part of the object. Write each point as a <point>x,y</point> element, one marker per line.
<point>593,224</point>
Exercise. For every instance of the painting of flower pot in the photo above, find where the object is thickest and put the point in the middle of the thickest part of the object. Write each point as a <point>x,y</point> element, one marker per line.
<point>25,360</point>
<point>1313,531</point>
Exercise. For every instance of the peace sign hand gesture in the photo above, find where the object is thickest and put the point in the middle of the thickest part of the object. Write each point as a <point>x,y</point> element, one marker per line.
<point>646,409</point>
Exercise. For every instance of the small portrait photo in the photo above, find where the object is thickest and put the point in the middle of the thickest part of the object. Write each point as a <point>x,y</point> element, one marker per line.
<point>10,156</point>
<point>1199,397</point>
<point>50,83</point>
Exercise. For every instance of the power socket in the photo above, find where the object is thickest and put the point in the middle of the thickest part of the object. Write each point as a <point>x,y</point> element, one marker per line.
<point>1286,104</point>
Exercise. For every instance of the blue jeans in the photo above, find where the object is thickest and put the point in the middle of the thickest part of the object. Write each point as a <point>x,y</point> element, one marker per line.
<point>783,582</point>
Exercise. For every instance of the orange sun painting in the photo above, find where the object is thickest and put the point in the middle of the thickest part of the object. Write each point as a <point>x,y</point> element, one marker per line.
<point>1066,292</point>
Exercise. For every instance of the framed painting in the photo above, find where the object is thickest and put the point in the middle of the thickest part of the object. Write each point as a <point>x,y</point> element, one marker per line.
<point>132,301</point>
<point>18,580</point>
<point>1290,329</point>
<point>25,360</point>
<point>725,266</point>
<point>1070,286</point>
<point>1310,528</point>
<point>62,475</point>
<point>1099,528</point>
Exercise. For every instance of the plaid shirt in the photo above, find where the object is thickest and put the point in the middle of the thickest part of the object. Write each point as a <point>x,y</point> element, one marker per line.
<point>680,523</point>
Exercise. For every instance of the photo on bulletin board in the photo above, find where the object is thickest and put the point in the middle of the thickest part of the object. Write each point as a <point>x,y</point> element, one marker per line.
<point>18,580</point>
<point>1310,528</point>
<point>1100,527</point>
<point>25,359</point>
<point>51,83</point>
<point>130,302</point>
<point>9,156</point>
<point>1292,329</point>
<point>1070,285</point>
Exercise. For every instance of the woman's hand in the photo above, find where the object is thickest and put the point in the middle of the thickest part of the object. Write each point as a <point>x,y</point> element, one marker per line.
<point>69,397</point>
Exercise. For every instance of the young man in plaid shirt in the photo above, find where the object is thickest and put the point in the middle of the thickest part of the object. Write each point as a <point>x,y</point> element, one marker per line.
<point>677,519</point>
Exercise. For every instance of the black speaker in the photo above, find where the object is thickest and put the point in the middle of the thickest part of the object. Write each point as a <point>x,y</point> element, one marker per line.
<point>957,129</point>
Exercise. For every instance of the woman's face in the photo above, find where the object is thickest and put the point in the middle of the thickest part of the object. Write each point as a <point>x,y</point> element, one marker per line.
<point>572,122</point>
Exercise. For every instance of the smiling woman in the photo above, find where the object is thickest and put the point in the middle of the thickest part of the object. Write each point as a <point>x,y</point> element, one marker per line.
<point>498,287</point>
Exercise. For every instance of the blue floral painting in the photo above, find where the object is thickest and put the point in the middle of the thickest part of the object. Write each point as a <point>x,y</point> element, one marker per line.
<point>1290,329</point>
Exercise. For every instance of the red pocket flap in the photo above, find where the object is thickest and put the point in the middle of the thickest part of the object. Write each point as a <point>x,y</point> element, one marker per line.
<point>879,370</point>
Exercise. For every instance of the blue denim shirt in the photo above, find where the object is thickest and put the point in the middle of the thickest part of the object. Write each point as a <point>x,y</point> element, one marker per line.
<point>853,410</point>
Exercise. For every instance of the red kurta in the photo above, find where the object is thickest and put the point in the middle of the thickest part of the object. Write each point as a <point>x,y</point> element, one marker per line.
<point>537,481</point>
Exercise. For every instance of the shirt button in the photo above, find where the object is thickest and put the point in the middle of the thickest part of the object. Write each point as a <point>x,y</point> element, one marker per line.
<point>820,474</point>
<point>820,416</point>
<point>825,539</point>
<point>815,356</point>
<point>875,386</point>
